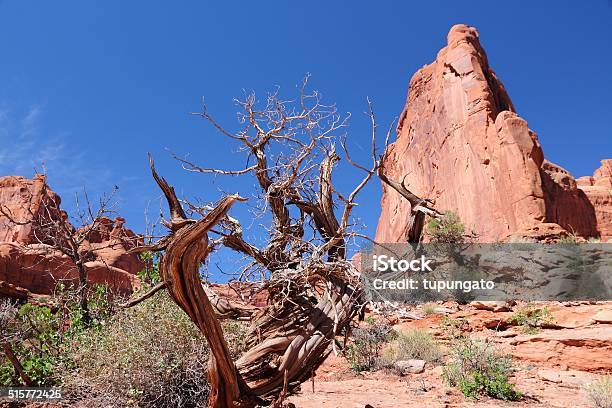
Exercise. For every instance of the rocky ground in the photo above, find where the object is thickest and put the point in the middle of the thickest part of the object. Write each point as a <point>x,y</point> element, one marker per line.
<point>553,365</point>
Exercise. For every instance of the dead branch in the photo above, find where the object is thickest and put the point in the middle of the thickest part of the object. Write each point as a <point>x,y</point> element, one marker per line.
<point>419,207</point>
<point>10,355</point>
<point>148,294</point>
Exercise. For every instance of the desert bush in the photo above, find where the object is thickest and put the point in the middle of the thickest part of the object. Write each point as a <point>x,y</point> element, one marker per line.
<point>446,230</point>
<point>531,318</point>
<point>570,239</point>
<point>8,333</point>
<point>429,308</point>
<point>151,355</point>
<point>149,275</point>
<point>600,392</point>
<point>476,369</point>
<point>41,338</point>
<point>39,348</point>
<point>364,351</point>
<point>414,344</point>
<point>235,333</point>
<point>453,328</point>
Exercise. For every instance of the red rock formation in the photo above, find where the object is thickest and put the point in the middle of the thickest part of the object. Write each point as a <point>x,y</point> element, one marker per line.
<point>24,200</point>
<point>598,189</point>
<point>566,204</point>
<point>28,262</point>
<point>460,143</point>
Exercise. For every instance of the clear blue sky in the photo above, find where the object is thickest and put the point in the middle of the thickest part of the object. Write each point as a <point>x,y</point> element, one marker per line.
<point>89,87</point>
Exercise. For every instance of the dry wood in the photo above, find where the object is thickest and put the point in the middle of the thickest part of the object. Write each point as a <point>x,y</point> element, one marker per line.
<point>313,290</point>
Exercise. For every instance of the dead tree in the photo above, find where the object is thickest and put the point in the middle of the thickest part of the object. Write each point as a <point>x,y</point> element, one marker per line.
<point>420,208</point>
<point>313,290</point>
<point>52,228</point>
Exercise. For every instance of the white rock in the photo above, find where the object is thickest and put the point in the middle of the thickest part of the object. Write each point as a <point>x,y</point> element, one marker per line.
<point>411,366</point>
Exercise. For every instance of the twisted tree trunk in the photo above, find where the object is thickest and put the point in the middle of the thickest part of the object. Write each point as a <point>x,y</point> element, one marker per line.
<point>288,339</point>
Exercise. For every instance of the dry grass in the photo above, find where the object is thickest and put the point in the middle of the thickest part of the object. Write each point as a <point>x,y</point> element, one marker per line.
<point>600,392</point>
<point>148,356</point>
<point>429,308</point>
<point>414,344</point>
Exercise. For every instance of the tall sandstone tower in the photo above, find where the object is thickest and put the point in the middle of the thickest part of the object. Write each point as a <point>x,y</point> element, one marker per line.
<point>461,143</point>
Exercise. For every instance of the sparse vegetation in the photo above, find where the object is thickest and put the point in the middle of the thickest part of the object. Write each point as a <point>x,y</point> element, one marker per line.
<point>569,239</point>
<point>531,318</point>
<point>41,339</point>
<point>429,308</point>
<point>236,337</point>
<point>476,369</point>
<point>453,328</point>
<point>600,392</point>
<point>364,352</point>
<point>414,344</point>
<point>447,229</point>
<point>149,275</point>
<point>150,355</point>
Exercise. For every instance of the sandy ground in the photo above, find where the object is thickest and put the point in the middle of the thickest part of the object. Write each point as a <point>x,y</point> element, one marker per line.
<point>385,390</point>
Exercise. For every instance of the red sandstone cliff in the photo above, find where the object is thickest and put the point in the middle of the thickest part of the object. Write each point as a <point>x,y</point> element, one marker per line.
<point>460,142</point>
<point>28,262</point>
<point>598,189</point>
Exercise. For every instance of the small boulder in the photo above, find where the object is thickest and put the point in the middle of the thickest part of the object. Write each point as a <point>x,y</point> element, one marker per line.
<point>603,316</point>
<point>411,366</point>
<point>491,305</point>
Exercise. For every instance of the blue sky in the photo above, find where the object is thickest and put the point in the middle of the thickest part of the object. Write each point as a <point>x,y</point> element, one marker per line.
<point>90,87</point>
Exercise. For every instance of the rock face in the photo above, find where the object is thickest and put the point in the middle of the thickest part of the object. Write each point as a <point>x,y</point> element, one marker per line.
<point>28,262</point>
<point>598,189</point>
<point>24,200</point>
<point>585,349</point>
<point>460,143</point>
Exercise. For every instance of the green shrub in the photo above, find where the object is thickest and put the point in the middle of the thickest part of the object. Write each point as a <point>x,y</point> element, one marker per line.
<point>530,318</point>
<point>414,344</point>
<point>363,353</point>
<point>448,229</point>
<point>453,328</point>
<point>600,392</point>
<point>235,333</point>
<point>569,239</point>
<point>150,274</point>
<point>476,369</point>
<point>32,333</point>
<point>41,338</point>
<point>151,355</point>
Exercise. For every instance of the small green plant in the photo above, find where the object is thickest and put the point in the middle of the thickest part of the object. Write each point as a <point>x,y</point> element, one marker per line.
<point>600,392</point>
<point>531,318</point>
<point>476,369</point>
<point>363,353</point>
<point>235,333</point>
<point>569,239</point>
<point>41,338</point>
<point>414,344</point>
<point>150,274</point>
<point>36,343</point>
<point>447,229</point>
<point>453,328</point>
